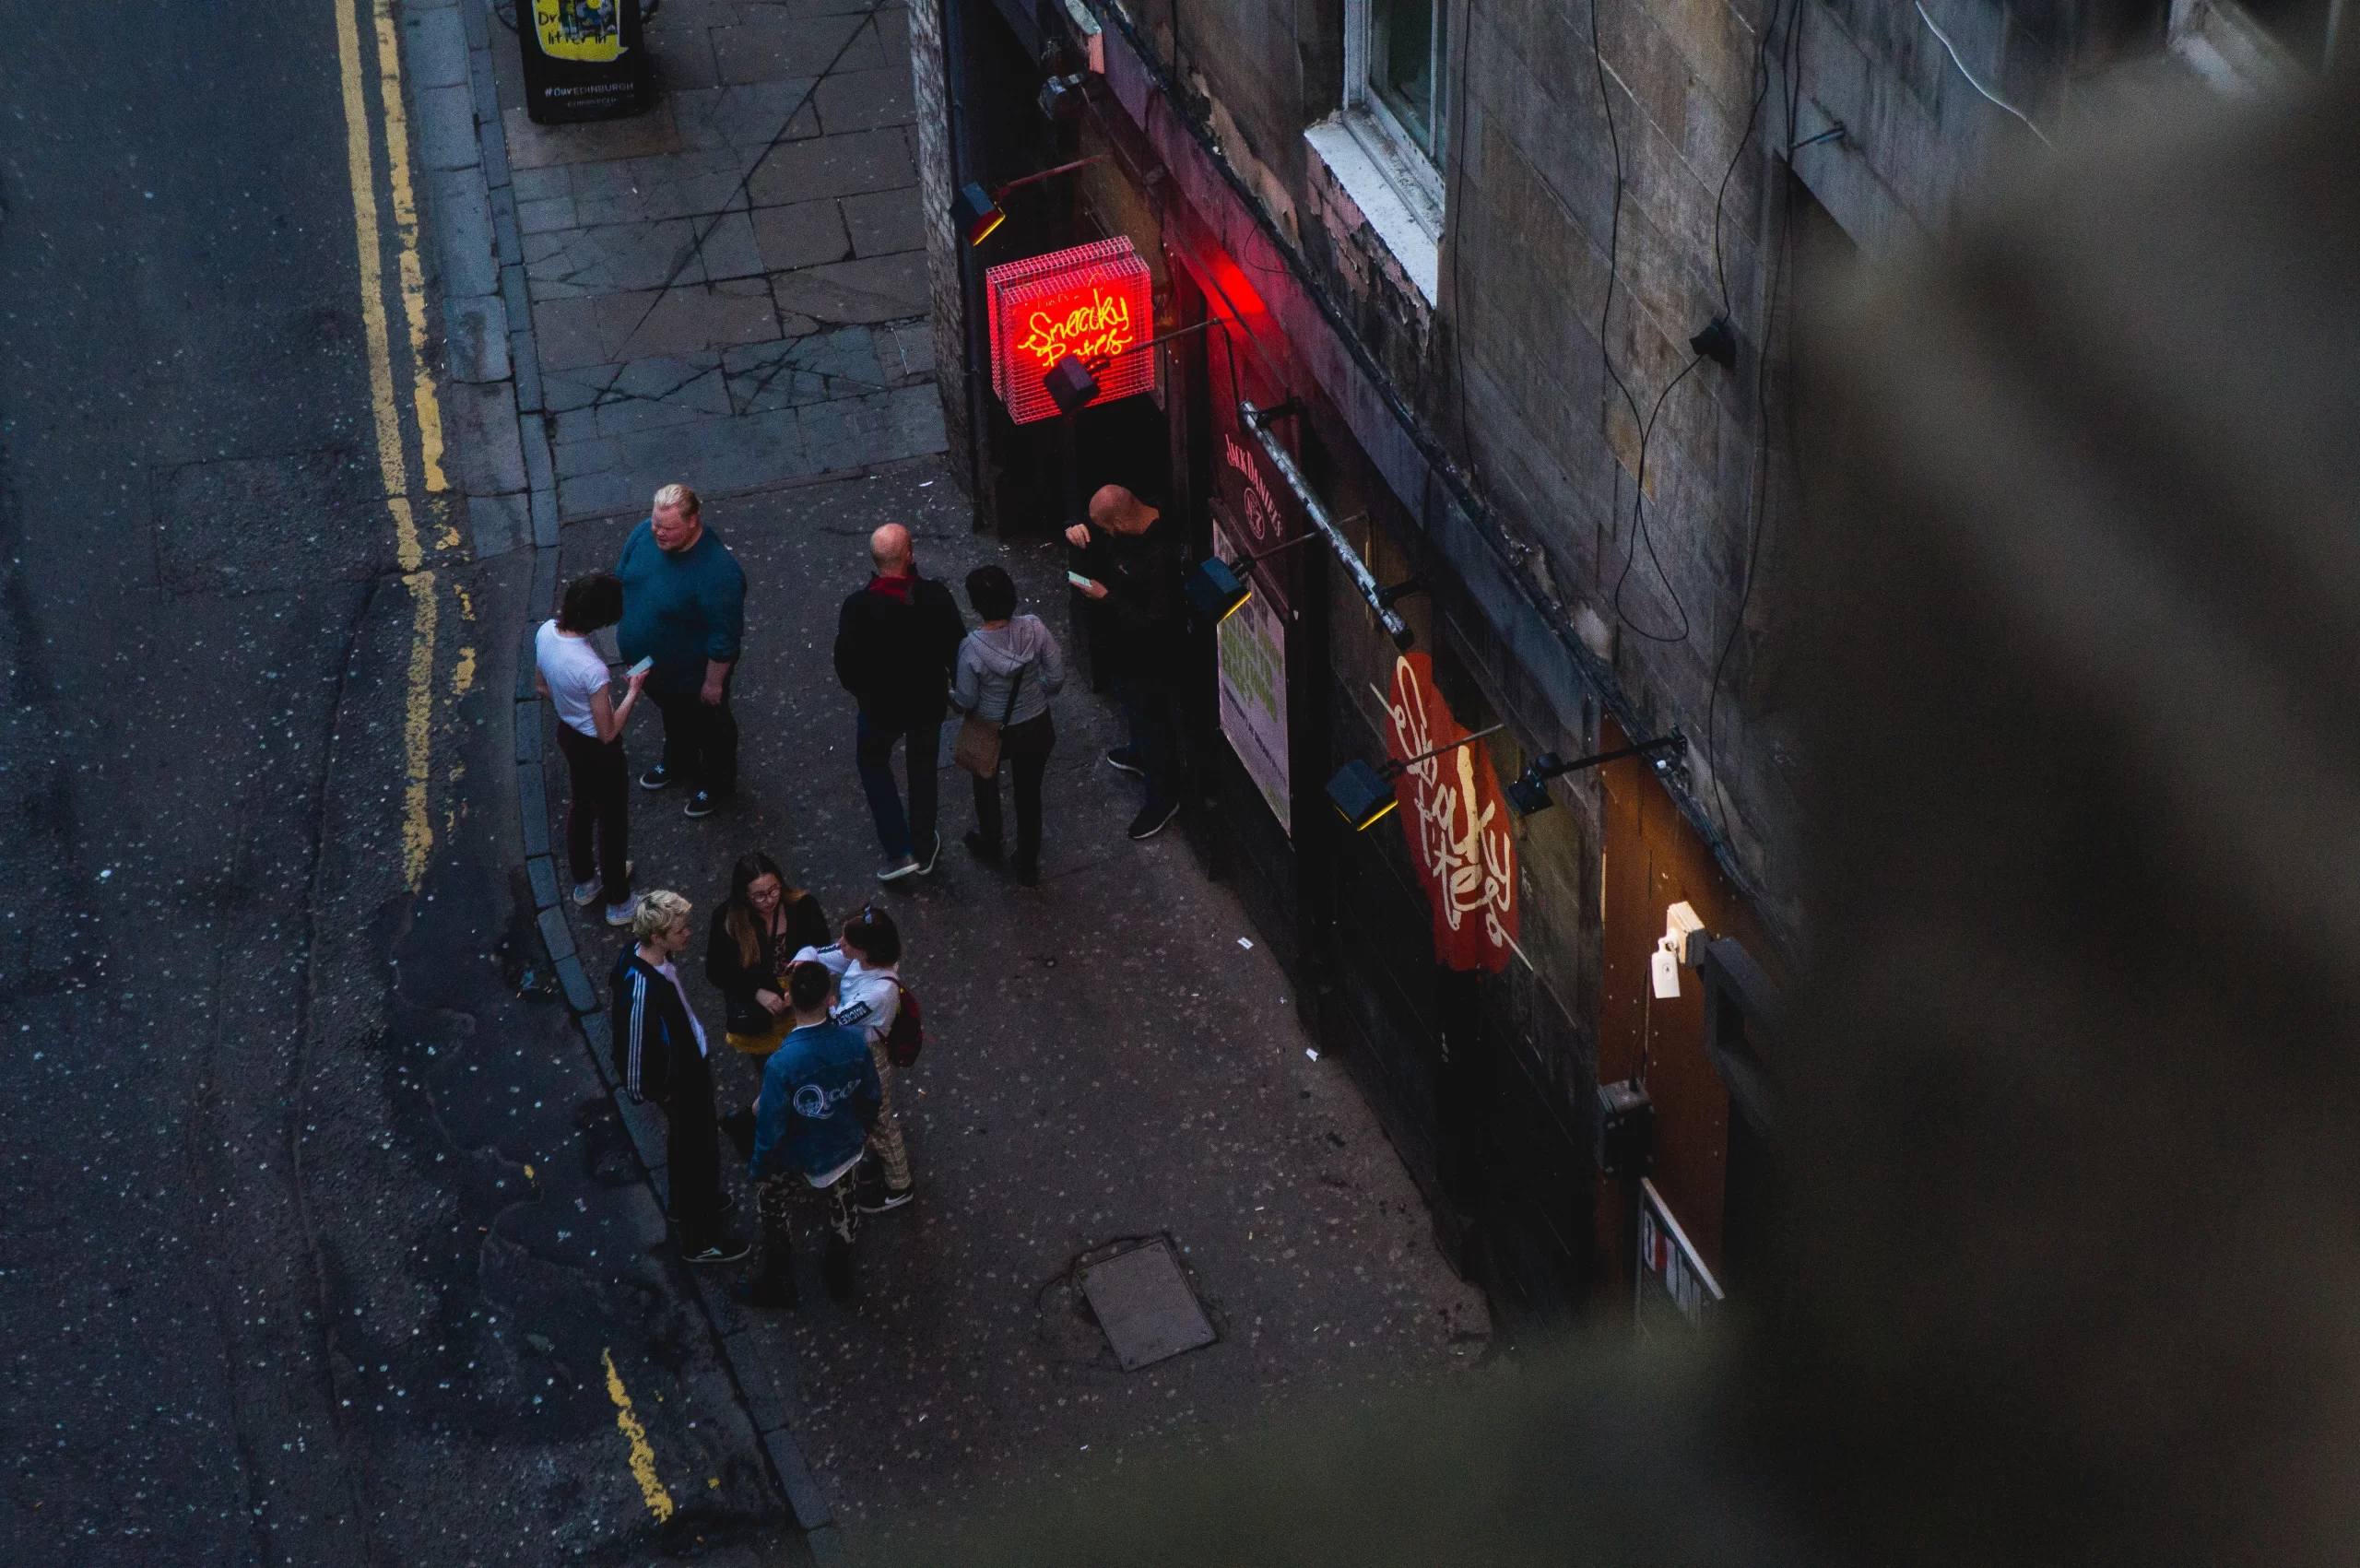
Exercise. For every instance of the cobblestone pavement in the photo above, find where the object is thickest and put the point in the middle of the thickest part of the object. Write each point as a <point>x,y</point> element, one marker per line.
<point>734,285</point>
<point>1109,1058</point>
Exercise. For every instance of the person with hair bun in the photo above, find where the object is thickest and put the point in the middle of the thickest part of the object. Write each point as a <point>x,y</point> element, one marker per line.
<point>867,961</point>
<point>1007,670</point>
<point>572,675</point>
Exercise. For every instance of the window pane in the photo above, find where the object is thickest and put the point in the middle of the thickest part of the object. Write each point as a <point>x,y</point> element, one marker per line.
<point>1401,64</point>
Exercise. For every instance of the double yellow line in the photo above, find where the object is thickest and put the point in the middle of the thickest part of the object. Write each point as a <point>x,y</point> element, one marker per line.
<point>418,828</point>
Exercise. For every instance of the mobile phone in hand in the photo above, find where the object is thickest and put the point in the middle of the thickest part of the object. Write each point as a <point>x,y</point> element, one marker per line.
<point>642,667</point>
<point>1079,581</point>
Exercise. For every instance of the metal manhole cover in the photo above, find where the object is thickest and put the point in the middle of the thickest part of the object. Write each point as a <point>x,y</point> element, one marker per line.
<point>1143,1303</point>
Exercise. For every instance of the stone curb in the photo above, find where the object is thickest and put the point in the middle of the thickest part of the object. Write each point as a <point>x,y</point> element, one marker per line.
<point>508,478</point>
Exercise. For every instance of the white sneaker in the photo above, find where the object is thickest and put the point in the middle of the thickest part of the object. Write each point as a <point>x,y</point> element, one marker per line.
<point>621,913</point>
<point>587,893</point>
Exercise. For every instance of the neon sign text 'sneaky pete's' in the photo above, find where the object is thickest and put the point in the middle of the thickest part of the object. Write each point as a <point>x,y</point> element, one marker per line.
<point>1089,329</point>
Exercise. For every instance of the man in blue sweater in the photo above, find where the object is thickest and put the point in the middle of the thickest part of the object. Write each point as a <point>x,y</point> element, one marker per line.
<point>684,606</point>
<point>820,1096</point>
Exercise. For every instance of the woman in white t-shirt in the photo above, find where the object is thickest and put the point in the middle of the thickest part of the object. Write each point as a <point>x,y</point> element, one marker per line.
<point>590,732</point>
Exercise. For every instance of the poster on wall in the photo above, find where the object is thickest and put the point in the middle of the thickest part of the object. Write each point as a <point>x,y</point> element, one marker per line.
<point>1456,821</point>
<point>1252,649</point>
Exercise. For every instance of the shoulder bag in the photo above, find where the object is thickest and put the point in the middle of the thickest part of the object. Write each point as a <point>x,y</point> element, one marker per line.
<point>977,750</point>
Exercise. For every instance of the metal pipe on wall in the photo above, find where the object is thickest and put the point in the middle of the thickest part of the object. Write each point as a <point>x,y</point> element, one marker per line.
<point>1283,460</point>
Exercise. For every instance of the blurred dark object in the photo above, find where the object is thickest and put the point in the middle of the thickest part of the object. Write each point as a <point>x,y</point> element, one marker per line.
<point>1626,1124</point>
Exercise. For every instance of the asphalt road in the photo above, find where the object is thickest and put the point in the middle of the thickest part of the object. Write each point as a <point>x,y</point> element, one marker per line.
<point>316,1244</point>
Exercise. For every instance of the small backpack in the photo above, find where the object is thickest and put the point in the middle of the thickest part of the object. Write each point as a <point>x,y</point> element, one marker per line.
<point>907,1037</point>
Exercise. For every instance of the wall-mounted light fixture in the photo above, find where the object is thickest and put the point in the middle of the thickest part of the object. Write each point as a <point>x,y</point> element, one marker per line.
<point>1063,99</point>
<point>1362,792</point>
<point>1718,343</point>
<point>1218,588</point>
<point>1530,793</point>
<point>1072,382</point>
<point>976,210</point>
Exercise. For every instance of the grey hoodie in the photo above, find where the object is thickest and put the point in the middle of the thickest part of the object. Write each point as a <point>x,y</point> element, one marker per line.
<point>988,661</point>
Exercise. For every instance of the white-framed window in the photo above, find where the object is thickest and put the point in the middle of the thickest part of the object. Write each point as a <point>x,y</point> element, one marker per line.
<point>1395,96</point>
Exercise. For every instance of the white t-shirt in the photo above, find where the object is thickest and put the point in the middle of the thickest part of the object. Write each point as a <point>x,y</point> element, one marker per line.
<point>670,972</point>
<point>575,674</point>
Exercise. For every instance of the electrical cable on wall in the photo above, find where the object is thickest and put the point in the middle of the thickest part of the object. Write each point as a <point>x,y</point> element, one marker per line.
<point>1781,267</point>
<point>1737,154</point>
<point>1643,425</point>
<point>1454,217</point>
<point>1952,50</point>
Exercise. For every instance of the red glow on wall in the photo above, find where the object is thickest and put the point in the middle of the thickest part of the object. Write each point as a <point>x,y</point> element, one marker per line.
<point>1094,301</point>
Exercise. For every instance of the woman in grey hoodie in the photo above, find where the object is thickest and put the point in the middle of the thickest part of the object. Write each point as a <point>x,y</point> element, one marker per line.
<point>1007,670</point>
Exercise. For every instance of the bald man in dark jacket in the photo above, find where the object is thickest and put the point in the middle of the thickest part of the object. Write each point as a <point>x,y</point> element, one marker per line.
<point>897,643</point>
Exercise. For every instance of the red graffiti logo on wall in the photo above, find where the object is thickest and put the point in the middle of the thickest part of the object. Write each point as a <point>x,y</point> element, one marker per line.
<point>1094,301</point>
<point>1089,327</point>
<point>1456,823</point>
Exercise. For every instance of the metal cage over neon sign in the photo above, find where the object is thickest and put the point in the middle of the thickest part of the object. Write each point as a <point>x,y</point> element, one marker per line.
<point>1094,301</point>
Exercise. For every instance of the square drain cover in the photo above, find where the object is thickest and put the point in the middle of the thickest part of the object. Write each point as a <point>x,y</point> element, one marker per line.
<point>1144,1303</point>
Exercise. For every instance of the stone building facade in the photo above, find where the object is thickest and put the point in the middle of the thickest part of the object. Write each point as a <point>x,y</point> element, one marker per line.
<point>1521,280</point>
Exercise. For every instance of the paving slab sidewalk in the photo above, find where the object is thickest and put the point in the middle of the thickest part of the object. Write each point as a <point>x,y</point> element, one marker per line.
<point>734,285</point>
<point>1113,1056</point>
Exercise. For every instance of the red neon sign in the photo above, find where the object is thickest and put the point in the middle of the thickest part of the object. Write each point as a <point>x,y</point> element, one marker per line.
<point>1094,301</point>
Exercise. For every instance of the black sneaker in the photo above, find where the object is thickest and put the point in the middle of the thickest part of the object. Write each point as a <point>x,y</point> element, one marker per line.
<point>885,1197</point>
<point>655,777</point>
<point>1123,757</point>
<point>981,848</point>
<point>700,804</point>
<point>778,1294</point>
<point>1153,819</point>
<point>1027,875</point>
<point>721,1249</point>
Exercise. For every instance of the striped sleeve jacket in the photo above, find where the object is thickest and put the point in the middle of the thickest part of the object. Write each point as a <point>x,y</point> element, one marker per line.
<point>651,1029</point>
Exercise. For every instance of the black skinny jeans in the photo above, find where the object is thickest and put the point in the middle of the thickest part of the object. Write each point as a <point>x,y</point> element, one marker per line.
<point>597,810</point>
<point>1024,748</point>
<point>692,1152</point>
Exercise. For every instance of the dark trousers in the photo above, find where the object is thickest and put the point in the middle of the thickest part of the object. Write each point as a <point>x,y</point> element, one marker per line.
<point>597,810</point>
<point>693,1154</point>
<point>776,1200</point>
<point>699,740</point>
<point>873,755</point>
<point>1025,751</point>
<point>1148,712</point>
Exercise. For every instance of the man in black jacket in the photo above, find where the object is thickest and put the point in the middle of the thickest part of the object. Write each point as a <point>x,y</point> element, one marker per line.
<point>1133,565</point>
<point>896,643</point>
<point>659,1053</point>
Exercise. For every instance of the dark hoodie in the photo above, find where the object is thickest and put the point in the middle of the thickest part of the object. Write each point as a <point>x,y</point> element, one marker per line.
<point>896,641</point>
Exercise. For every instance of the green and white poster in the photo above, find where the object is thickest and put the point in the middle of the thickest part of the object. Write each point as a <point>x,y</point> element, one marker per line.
<point>1253,690</point>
